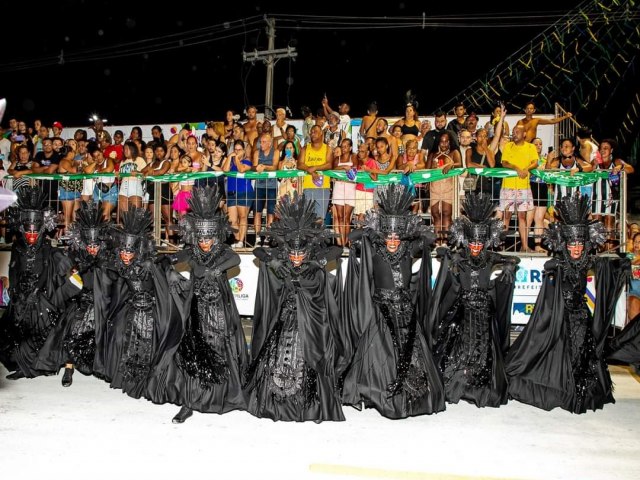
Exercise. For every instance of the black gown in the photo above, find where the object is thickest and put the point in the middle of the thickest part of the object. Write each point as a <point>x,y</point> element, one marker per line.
<point>73,339</point>
<point>205,373</point>
<point>558,359</point>
<point>471,327</point>
<point>38,278</point>
<point>296,345</point>
<point>392,369</point>
<point>625,346</point>
<point>139,327</point>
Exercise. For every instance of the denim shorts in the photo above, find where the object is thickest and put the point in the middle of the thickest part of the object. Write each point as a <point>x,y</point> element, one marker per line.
<point>111,196</point>
<point>266,196</point>
<point>240,199</point>
<point>67,194</point>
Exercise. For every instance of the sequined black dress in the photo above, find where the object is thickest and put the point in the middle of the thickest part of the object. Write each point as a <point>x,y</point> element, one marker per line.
<point>558,360</point>
<point>392,368</point>
<point>295,345</point>
<point>38,278</point>
<point>472,326</point>
<point>73,340</point>
<point>143,328</point>
<point>205,373</point>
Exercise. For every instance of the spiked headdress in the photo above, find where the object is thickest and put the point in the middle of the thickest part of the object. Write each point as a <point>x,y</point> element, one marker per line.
<point>476,226</point>
<point>134,234</point>
<point>30,209</point>
<point>297,227</point>
<point>394,213</point>
<point>89,227</point>
<point>573,225</point>
<point>206,219</point>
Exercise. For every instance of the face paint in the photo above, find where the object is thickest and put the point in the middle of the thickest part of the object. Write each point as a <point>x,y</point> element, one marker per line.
<point>476,248</point>
<point>31,236</point>
<point>127,256</point>
<point>93,249</point>
<point>575,249</point>
<point>205,244</point>
<point>392,241</point>
<point>297,257</point>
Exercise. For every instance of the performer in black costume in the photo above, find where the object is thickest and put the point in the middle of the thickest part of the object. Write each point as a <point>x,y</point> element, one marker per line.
<point>297,350</point>
<point>625,346</point>
<point>386,306</point>
<point>472,312</point>
<point>206,371</point>
<point>143,324</point>
<point>39,278</point>
<point>72,342</point>
<point>558,360</point>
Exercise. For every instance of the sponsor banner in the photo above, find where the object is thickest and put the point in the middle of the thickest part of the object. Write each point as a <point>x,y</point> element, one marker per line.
<point>243,281</point>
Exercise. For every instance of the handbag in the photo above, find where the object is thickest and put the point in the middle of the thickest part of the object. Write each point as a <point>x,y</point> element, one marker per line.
<point>104,187</point>
<point>470,182</point>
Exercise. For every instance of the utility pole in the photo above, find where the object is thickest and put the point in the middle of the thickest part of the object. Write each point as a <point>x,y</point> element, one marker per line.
<point>269,57</point>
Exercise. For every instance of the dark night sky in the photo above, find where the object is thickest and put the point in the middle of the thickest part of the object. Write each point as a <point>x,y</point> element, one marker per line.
<point>200,82</point>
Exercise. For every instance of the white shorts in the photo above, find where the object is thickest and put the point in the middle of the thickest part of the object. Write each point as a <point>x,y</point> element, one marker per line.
<point>131,187</point>
<point>364,202</point>
<point>87,187</point>
<point>344,193</point>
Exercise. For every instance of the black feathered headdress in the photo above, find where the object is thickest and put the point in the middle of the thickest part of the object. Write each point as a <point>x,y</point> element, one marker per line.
<point>206,219</point>
<point>89,227</point>
<point>134,234</point>
<point>573,225</point>
<point>31,209</point>
<point>394,213</point>
<point>297,227</point>
<point>477,225</point>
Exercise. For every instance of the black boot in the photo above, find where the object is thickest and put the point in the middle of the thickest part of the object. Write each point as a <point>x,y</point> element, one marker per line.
<point>183,414</point>
<point>17,375</point>
<point>67,378</point>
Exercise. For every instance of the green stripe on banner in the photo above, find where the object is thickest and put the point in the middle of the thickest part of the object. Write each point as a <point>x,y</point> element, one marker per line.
<point>568,180</point>
<point>425,176</point>
<point>422,176</point>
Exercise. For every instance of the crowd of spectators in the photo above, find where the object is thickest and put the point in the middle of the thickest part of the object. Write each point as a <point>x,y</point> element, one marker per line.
<point>324,143</point>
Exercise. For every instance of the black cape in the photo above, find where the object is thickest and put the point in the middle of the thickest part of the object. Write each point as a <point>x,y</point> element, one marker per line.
<point>538,364</point>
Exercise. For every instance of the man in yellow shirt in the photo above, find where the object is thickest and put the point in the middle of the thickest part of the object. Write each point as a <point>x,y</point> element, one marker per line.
<point>315,157</point>
<point>522,157</point>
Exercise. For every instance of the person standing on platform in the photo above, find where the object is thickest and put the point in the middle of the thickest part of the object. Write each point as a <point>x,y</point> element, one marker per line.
<point>392,369</point>
<point>206,372</point>
<point>72,341</point>
<point>558,360</point>
<point>38,273</point>
<point>472,311</point>
<point>298,343</point>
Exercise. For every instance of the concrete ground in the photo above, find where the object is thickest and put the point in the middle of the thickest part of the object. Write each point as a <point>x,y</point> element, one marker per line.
<point>89,431</point>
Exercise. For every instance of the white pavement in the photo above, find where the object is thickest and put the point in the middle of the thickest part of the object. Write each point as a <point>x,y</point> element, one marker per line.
<point>90,432</point>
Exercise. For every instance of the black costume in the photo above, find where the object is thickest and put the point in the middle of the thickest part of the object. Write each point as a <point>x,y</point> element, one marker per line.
<point>206,371</point>
<point>73,340</point>
<point>558,359</point>
<point>625,346</point>
<point>472,312</point>
<point>143,325</point>
<point>38,278</point>
<point>297,350</point>
<point>386,308</point>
